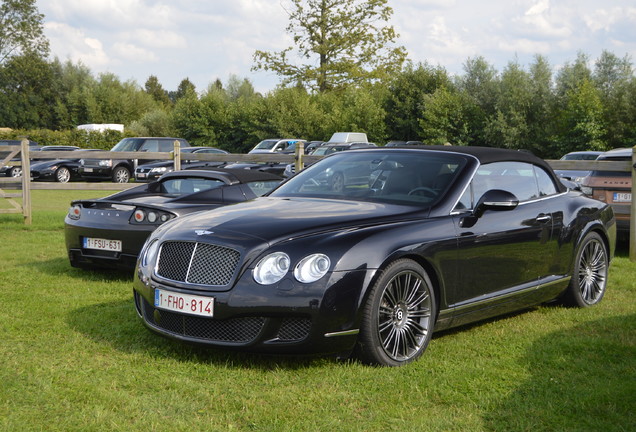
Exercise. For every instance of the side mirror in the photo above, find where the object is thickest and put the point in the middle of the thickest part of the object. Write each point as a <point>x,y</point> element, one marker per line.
<point>496,200</point>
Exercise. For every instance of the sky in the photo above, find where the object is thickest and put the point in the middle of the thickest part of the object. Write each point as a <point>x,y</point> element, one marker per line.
<point>205,40</point>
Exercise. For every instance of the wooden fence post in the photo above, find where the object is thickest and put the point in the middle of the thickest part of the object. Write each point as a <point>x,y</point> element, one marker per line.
<point>177,155</point>
<point>632,217</point>
<point>300,153</point>
<point>26,181</point>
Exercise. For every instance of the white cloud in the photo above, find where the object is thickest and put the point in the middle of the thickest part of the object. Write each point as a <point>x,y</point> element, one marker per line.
<point>133,53</point>
<point>71,43</point>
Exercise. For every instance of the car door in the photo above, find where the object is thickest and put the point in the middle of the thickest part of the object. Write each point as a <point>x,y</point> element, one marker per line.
<point>503,253</point>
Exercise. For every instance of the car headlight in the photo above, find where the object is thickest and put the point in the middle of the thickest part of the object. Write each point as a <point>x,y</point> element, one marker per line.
<point>312,267</point>
<point>586,190</point>
<point>159,170</point>
<point>149,253</point>
<point>272,268</point>
<point>105,163</point>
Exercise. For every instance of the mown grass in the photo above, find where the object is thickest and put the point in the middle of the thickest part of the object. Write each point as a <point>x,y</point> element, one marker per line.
<point>74,356</point>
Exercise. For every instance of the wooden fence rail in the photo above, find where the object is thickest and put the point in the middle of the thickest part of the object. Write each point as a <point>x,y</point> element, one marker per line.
<point>299,159</point>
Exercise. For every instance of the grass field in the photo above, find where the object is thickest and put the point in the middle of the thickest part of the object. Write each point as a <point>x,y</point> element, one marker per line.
<point>74,356</point>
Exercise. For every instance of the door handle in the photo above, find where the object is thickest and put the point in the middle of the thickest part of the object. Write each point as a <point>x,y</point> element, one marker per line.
<point>544,218</point>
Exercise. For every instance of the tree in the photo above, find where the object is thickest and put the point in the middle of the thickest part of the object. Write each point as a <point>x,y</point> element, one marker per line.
<point>406,99</point>
<point>154,88</point>
<point>27,94</point>
<point>341,42</point>
<point>21,30</point>
<point>185,86</point>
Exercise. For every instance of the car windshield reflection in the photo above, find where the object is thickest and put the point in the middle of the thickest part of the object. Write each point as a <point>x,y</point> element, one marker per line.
<point>404,178</point>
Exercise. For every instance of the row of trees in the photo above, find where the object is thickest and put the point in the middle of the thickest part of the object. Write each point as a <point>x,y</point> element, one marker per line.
<point>585,105</point>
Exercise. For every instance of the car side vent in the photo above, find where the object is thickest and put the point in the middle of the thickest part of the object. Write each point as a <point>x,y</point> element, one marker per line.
<point>197,263</point>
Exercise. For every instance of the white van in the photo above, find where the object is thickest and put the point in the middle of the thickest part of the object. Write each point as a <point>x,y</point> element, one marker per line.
<point>346,137</point>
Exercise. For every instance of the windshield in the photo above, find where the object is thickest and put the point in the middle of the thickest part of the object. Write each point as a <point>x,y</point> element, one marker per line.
<point>185,186</point>
<point>323,151</point>
<point>128,144</point>
<point>266,145</point>
<point>411,178</point>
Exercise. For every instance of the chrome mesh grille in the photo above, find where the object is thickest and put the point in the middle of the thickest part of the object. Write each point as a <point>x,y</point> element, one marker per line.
<point>293,329</point>
<point>197,263</point>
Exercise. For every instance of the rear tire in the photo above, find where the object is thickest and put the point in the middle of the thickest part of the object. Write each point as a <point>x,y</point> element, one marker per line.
<point>398,317</point>
<point>589,273</point>
<point>121,175</point>
<point>15,172</point>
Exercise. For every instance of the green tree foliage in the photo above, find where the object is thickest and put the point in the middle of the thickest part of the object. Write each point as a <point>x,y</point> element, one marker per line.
<point>21,30</point>
<point>154,88</point>
<point>27,93</point>
<point>407,96</point>
<point>339,43</point>
<point>581,122</point>
<point>445,119</point>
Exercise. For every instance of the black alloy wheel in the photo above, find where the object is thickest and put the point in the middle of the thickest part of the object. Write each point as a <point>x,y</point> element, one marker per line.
<point>399,316</point>
<point>589,274</point>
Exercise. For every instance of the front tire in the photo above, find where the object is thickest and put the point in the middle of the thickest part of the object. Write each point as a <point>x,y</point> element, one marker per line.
<point>121,175</point>
<point>398,317</point>
<point>15,172</point>
<point>62,175</point>
<point>589,273</point>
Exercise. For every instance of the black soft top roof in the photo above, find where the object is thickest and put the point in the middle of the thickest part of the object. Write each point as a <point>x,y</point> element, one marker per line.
<point>242,175</point>
<point>486,155</point>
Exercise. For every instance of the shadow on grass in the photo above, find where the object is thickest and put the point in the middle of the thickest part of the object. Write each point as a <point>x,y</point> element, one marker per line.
<point>583,378</point>
<point>117,324</point>
<point>62,267</point>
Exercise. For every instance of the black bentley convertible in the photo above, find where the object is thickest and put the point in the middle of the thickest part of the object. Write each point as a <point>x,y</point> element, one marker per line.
<point>367,252</point>
<point>110,231</point>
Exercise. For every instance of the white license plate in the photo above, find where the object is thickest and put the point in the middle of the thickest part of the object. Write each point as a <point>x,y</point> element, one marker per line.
<point>102,244</point>
<point>184,303</point>
<point>88,169</point>
<point>141,175</point>
<point>622,197</point>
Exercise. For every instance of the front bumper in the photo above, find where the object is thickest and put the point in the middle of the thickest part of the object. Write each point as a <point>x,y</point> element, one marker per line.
<point>287,317</point>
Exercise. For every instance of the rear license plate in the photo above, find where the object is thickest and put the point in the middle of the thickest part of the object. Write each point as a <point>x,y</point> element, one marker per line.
<point>622,197</point>
<point>184,303</point>
<point>101,244</point>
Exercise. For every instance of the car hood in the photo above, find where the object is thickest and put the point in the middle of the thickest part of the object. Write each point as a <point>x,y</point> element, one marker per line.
<point>275,219</point>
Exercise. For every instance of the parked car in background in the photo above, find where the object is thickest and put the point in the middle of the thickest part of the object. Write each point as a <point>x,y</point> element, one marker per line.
<point>109,232</point>
<point>14,170</point>
<point>432,238</point>
<point>582,155</point>
<point>276,145</point>
<point>58,170</point>
<point>268,167</point>
<point>327,149</point>
<point>577,175</point>
<point>613,187</point>
<point>152,171</point>
<point>120,170</point>
<point>347,137</point>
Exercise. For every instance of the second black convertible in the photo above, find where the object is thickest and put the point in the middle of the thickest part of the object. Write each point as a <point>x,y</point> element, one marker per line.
<point>367,252</point>
<point>109,232</point>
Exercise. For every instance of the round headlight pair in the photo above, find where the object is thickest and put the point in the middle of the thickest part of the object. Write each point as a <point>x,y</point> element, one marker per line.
<point>275,266</point>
